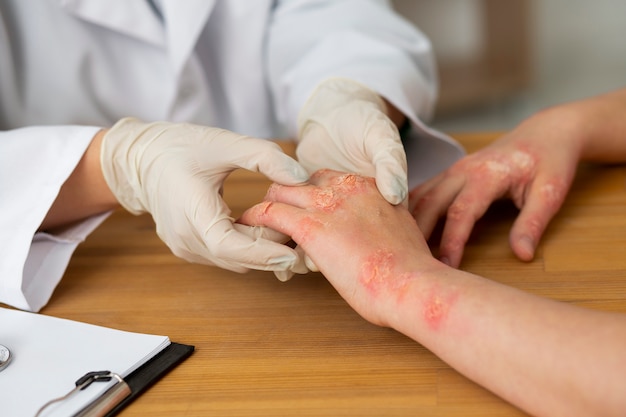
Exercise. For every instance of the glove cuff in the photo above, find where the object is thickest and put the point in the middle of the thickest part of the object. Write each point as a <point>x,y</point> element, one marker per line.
<point>120,163</point>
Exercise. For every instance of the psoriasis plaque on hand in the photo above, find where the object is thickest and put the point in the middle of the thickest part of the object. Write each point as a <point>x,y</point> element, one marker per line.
<point>328,199</point>
<point>325,199</point>
<point>519,163</point>
<point>379,278</point>
<point>378,275</point>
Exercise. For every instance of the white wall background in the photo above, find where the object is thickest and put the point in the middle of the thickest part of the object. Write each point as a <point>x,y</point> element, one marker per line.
<point>578,49</point>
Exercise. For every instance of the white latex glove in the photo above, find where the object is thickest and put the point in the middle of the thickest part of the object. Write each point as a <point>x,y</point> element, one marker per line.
<point>176,173</point>
<point>344,126</point>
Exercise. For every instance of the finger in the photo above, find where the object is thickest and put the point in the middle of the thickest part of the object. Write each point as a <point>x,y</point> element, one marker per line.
<point>461,216</point>
<point>331,187</point>
<point>391,172</point>
<point>231,249</point>
<point>429,202</point>
<point>416,194</point>
<point>268,158</point>
<point>385,150</point>
<point>542,202</point>
<point>302,196</point>
<point>310,264</point>
<point>418,191</point>
<point>300,268</point>
<point>281,217</point>
<point>392,183</point>
<point>284,276</point>
<point>261,232</point>
<point>318,151</point>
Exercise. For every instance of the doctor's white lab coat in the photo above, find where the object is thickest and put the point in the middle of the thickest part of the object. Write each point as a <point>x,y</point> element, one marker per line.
<point>70,67</point>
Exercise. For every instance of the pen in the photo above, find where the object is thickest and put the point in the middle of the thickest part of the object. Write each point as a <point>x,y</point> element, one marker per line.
<point>104,403</point>
<point>107,401</point>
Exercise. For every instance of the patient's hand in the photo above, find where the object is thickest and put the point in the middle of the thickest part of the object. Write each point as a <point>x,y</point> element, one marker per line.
<point>360,242</point>
<point>533,165</point>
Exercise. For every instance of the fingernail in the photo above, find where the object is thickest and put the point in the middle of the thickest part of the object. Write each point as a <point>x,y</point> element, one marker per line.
<point>445,260</point>
<point>527,247</point>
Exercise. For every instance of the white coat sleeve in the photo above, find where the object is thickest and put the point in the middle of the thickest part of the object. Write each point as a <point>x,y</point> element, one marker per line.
<point>34,163</point>
<point>364,40</point>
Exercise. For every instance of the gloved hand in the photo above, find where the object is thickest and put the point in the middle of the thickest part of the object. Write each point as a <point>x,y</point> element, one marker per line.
<point>176,173</point>
<point>344,126</point>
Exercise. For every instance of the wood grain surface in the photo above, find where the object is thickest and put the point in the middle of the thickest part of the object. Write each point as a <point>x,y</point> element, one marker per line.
<point>267,348</point>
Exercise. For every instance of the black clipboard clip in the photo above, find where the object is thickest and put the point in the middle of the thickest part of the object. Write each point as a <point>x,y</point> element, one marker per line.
<point>110,399</point>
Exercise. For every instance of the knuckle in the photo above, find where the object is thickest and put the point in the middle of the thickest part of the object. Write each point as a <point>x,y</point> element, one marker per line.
<point>458,210</point>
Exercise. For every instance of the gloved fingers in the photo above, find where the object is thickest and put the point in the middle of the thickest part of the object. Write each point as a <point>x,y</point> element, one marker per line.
<point>305,265</point>
<point>334,93</point>
<point>358,138</point>
<point>392,182</point>
<point>231,249</point>
<point>261,232</point>
<point>284,276</point>
<point>373,149</point>
<point>299,268</point>
<point>317,150</point>
<point>310,264</point>
<point>386,152</point>
<point>266,157</point>
<point>176,171</point>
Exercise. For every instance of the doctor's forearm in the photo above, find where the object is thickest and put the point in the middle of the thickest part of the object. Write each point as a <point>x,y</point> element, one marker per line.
<point>84,194</point>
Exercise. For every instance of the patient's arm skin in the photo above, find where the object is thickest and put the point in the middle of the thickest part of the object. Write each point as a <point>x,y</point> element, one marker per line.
<point>533,165</point>
<point>546,357</point>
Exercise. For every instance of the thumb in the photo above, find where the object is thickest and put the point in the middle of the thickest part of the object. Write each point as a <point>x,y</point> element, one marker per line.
<point>390,163</point>
<point>393,185</point>
<point>268,158</point>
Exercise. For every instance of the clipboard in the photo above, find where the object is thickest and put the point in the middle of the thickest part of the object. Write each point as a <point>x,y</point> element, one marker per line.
<point>124,390</point>
<point>48,354</point>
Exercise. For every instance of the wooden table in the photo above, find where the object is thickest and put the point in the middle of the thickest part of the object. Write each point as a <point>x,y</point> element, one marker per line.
<point>267,348</point>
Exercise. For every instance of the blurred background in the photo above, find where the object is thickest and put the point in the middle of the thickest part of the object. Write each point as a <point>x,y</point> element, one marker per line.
<point>502,60</point>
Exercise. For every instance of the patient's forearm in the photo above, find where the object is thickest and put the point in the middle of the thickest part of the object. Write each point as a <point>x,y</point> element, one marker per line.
<point>598,121</point>
<point>547,357</point>
<point>606,118</point>
<point>85,193</point>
